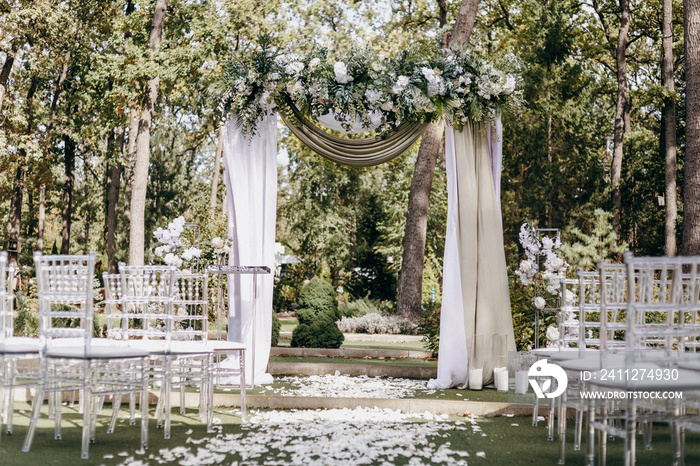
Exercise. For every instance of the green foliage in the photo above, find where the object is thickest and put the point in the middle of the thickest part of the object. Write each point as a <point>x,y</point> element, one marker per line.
<point>27,316</point>
<point>276,325</point>
<point>584,250</point>
<point>362,306</point>
<point>429,326</point>
<point>317,315</point>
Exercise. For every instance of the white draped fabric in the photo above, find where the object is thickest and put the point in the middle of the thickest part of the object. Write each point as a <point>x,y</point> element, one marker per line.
<point>251,203</point>
<point>475,325</point>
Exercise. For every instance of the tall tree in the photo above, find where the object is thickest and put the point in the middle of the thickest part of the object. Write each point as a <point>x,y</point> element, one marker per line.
<point>691,191</point>
<point>410,286</point>
<point>669,128</point>
<point>143,146</point>
<point>622,103</point>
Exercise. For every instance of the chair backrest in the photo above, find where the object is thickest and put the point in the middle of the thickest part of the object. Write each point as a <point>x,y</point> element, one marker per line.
<point>568,314</point>
<point>663,307</point>
<point>6,323</point>
<point>147,294</point>
<point>190,307</point>
<point>65,292</point>
<point>589,309</point>
<point>613,305</point>
<point>113,299</point>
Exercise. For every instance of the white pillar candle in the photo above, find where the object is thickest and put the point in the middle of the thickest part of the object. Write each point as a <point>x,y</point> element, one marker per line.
<point>501,378</point>
<point>476,379</point>
<point>496,381</point>
<point>521,382</point>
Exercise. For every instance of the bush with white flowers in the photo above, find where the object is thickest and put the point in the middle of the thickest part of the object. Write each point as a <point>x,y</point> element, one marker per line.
<point>375,322</point>
<point>173,249</point>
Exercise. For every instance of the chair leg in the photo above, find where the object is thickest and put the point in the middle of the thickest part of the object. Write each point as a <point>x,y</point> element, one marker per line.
<point>590,441</point>
<point>535,410</point>
<point>10,400</point>
<point>57,416</point>
<point>36,410</point>
<point>144,406</point>
<point>603,436</point>
<point>132,407</point>
<point>241,359</point>
<point>562,429</point>
<point>87,400</point>
<point>631,432</point>
<point>116,406</point>
<point>578,428</point>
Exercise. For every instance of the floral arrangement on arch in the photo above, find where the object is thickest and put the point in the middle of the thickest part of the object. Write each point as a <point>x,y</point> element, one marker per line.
<point>417,86</point>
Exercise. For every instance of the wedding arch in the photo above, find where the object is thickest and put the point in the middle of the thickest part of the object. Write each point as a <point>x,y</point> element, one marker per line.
<point>395,99</point>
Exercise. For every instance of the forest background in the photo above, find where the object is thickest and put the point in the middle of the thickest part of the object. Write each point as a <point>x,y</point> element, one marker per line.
<point>89,89</point>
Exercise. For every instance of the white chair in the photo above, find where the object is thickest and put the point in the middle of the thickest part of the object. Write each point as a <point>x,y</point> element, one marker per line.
<point>70,358</point>
<point>164,312</point>
<point>16,353</point>
<point>661,321</point>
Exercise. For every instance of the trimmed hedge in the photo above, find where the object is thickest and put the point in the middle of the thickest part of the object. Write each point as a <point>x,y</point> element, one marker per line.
<point>317,314</point>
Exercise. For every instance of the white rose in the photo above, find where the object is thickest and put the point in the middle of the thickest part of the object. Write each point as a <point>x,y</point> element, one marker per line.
<point>539,302</point>
<point>387,106</point>
<point>172,259</point>
<point>314,62</point>
<point>341,73</point>
<point>525,267</point>
<point>217,242</point>
<point>191,253</point>
<point>372,96</point>
<point>569,296</point>
<point>557,263</point>
<point>552,333</point>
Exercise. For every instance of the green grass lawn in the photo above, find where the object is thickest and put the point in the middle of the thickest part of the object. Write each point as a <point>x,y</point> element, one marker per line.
<point>503,441</point>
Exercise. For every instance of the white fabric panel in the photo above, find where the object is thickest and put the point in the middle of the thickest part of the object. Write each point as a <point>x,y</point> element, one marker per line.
<point>496,151</point>
<point>251,200</point>
<point>331,121</point>
<point>453,357</point>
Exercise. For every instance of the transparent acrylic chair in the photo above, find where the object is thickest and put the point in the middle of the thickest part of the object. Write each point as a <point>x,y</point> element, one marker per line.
<point>164,312</point>
<point>17,354</point>
<point>70,358</point>
<point>661,319</point>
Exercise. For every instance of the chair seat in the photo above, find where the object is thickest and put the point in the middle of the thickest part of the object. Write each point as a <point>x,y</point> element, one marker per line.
<point>690,365</point>
<point>95,352</point>
<point>20,345</point>
<point>591,362</point>
<point>160,347</point>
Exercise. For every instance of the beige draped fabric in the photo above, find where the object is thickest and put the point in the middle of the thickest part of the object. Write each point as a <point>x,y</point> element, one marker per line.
<point>485,296</point>
<point>363,152</point>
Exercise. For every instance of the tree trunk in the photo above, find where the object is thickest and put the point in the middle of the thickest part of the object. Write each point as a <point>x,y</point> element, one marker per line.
<point>217,169</point>
<point>114,171</point>
<point>622,92</point>
<point>68,182</point>
<point>410,284</point>
<point>5,73</point>
<point>143,147</point>
<point>669,132</point>
<point>15,222</point>
<point>42,218</point>
<point>691,192</point>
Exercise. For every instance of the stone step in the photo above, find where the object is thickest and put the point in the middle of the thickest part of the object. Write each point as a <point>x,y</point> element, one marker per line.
<point>372,370</point>
<point>347,353</point>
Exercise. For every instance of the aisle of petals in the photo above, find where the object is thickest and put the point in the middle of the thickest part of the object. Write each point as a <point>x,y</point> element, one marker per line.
<point>344,386</point>
<point>351,436</point>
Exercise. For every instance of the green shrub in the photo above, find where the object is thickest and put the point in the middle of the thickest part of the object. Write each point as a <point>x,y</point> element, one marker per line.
<point>364,306</point>
<point>26,321</point>
<point>318,297</point>
<point>429,326</point>
<point>276,325</point>
<point>317,314</point>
